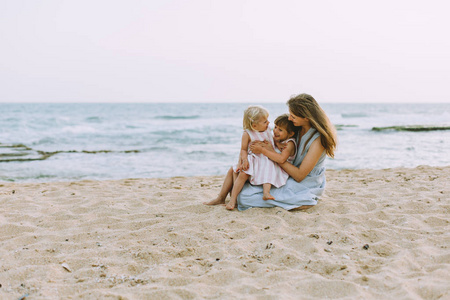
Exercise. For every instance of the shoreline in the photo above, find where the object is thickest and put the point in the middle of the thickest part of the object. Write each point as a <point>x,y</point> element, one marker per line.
<point>374,234</point>
<point>4,183</point>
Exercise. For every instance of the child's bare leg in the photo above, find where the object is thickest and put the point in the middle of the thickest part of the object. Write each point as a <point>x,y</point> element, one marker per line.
<point>266,192</point>
<point>235,175</point>
<point>237,188</point>
<point>226,188</point>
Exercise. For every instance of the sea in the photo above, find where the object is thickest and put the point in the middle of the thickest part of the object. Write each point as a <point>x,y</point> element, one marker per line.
<point>70,142</point>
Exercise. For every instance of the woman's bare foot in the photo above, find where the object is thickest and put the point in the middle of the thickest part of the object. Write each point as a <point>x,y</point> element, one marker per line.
<point>268,197</point>
<point>217,201</point>
<point>231,205</point>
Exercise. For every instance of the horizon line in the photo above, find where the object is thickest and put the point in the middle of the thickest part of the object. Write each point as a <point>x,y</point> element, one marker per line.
<point>201,102</point>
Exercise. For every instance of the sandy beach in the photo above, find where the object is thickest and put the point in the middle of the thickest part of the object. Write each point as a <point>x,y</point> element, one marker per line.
<point>375,234</point>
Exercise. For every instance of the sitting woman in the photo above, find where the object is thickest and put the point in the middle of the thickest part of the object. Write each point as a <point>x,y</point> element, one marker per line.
<point>316,139</point>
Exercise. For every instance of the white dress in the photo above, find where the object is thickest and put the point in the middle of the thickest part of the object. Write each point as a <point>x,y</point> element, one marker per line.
<point>262,169</point>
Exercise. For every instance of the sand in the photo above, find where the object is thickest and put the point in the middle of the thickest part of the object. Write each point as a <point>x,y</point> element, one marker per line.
<point>375,234</point>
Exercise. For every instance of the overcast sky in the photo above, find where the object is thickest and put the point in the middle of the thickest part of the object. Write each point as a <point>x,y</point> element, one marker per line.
<point>224,51</point>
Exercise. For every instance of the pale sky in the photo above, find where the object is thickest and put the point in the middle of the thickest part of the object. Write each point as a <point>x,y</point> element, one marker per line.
<point>224,51</point>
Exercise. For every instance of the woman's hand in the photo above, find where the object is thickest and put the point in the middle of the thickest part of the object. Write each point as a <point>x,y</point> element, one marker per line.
<point>280,146</point>
<point>258,146</point>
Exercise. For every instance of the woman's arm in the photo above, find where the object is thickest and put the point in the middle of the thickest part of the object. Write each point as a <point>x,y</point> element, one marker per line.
<point>312,157</point>
<point>279,158</point>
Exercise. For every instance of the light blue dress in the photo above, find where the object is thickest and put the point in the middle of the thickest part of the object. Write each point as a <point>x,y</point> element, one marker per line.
<point>293,194</point>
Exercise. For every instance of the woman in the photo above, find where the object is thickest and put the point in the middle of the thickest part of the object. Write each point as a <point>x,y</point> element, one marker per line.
<point>316,139</point>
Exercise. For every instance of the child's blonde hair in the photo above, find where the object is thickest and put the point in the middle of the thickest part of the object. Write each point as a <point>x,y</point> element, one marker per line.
<point>252,115</point>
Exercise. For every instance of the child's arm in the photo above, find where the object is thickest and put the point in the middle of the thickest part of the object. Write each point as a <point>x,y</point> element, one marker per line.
<point>243,156</point>
<point>280,158</point>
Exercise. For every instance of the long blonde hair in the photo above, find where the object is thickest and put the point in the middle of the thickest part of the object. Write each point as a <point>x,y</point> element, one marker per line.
<point>252,115</point>
<point>305,106</point>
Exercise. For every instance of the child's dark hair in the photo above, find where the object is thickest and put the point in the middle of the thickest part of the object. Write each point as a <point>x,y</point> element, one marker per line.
<point>283,121</point>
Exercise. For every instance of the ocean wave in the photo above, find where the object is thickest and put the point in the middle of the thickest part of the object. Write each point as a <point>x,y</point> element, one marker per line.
<point>79,129</point>
<point>177,117</point>
<point>155,148</point>
<point>354,115</point>
<point>44,141</point>
<point>93,119</point>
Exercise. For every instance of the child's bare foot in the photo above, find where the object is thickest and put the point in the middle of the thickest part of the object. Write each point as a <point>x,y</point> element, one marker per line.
<point>217,201</point>
<point>268,197</point>
<point>231,205</point>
